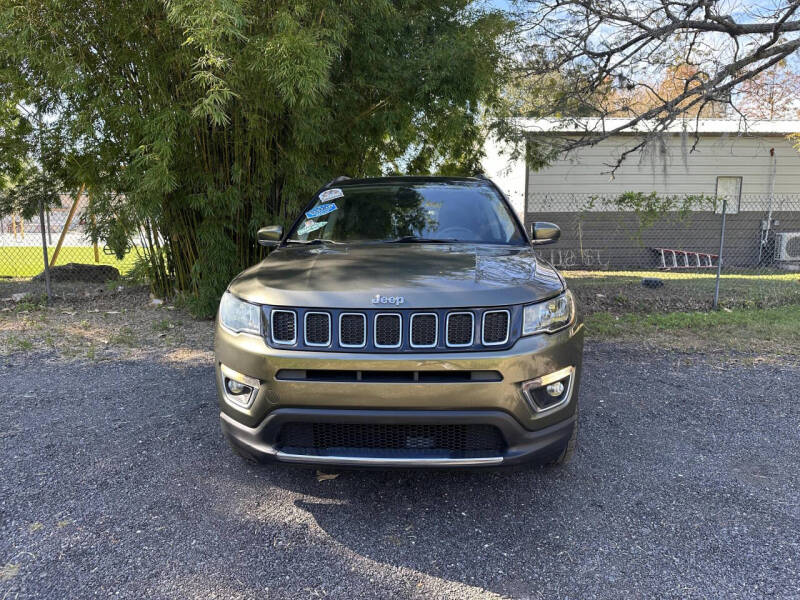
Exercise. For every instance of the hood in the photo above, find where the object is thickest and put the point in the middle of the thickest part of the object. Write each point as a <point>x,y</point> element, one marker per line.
<point>424,275</point>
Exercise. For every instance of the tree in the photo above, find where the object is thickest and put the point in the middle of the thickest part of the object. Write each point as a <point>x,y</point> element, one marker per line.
<point>628,45</point>
<point>772,94</point>
<point>195,123</point>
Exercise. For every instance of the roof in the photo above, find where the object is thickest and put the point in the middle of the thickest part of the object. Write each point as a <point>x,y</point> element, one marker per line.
<point>407,179</point>
<point>709,126</point>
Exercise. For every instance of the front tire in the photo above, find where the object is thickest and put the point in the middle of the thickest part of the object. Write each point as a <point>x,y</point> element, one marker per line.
<point>569,450</point>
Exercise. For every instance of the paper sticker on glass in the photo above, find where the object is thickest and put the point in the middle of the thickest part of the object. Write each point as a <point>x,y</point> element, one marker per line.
<point>318,211</point>
<point>331,194</point>
<point>310,226</point>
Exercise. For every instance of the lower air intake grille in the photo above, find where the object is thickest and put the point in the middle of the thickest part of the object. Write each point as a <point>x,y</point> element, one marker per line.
<point>387,331</point>
<point>459,329</point>
<point>284,326</point>
<point>423,330</point>
<point>412,440</point>
<point>318,329</point>
<point>495,327</point>
<point>353,330</point>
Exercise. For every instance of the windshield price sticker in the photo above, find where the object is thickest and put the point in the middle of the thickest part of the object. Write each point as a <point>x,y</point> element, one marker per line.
<point>322,209</point>
<point>331,194</point>
<point>310,226</point>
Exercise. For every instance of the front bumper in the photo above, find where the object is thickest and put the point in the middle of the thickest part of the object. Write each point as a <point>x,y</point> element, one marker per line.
<point>528,435</point>
<point>523,445</point>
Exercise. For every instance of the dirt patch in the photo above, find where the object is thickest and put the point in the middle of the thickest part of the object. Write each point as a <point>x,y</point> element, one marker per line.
<point>104,324</point>
<point>80,272</point>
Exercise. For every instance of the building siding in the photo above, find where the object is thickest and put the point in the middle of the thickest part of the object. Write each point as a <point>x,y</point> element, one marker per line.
<point>663,167</point>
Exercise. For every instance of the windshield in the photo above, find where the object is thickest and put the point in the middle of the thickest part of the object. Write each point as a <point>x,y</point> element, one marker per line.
<point>409,212</point>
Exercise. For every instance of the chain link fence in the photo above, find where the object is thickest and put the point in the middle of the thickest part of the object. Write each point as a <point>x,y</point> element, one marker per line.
<point>75,262</point>
<point>616,257</point>
<point>737,252</point>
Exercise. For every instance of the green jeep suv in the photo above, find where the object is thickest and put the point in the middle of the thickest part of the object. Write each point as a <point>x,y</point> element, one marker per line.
<point>401,321</point>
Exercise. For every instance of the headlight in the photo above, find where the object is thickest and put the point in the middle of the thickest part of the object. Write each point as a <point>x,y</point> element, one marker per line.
<point>549,316</point>
<point>238,315</point>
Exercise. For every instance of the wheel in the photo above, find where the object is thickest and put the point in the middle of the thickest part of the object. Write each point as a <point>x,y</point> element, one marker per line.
<point>569,449</point>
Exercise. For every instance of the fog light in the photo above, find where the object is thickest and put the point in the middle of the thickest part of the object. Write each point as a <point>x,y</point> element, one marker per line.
<point>238,389</point>
<point>555,389</point>
<point>548,393</point>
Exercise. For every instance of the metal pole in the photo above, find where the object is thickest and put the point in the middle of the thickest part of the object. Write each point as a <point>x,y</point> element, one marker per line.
<point>44,253</point>
<point>41,219</point>
<point>721,247</point>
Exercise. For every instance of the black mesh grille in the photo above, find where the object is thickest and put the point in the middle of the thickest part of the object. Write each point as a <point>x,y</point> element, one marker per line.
<point>387,330</point>
<point>423,330</point>
<point>318,328</point>
<point>317,438</point>
<point>353,330</point>
<point>459,329</point>
<point>495,327</point>
<point>284,326</point>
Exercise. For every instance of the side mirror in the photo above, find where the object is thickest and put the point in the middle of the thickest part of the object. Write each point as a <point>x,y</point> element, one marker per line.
<point>544,233</point>
<point>270,236</point>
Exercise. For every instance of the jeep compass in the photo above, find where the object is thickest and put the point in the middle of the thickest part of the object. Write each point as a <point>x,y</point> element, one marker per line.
<point>401,322</point>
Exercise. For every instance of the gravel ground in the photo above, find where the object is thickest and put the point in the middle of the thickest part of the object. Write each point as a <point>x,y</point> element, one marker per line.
<point>115,481</point>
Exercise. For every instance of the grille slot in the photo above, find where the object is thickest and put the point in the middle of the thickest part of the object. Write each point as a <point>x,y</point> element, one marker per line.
<point>457,440</point>
<point>317,329</point>
<point>284,326</point>
<point>352,330</point>
<point>388,330</point>
<point>337,375</point>
<point>495,327</point>
<point>460,329</point>
<point>424,330</point>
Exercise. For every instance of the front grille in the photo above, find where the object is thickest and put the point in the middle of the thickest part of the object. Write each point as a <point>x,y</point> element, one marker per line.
<point>495,327</point>
<point>387,330</point>
<point>423,330</point>
<point>284,326</point>
<point>459,329</point>
<point>391,330</point>
<point>352,330</point>
<point>318,329</point>
<point>411,439</point>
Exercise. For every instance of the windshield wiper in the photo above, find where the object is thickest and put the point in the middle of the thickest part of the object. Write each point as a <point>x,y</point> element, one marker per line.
<point>315,241</point>
<point>414,239</point>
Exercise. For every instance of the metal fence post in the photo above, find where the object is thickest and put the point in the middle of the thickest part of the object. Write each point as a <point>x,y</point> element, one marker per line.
<point>44,252</point>
<point>721,247</point>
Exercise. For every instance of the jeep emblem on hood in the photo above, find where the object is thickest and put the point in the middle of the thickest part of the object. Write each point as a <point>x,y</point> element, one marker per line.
<point>397,300</point>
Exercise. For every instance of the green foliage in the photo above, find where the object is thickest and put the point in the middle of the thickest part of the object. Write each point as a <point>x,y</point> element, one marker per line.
<point>650,208</point>
<point>195,123</point>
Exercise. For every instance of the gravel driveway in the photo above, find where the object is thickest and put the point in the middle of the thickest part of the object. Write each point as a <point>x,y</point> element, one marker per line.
<point>115,481</point>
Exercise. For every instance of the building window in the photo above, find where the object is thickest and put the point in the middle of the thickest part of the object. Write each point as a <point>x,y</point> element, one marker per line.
<point>730,189</point>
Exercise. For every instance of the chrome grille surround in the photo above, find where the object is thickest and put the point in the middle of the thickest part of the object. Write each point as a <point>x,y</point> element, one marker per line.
<point>376,332</point>
<point>411,334</point>
<point>495,342</point>
<point>363,319</point>
<point>291,326</point>
<point>314,329</point>
<point>448,332</point>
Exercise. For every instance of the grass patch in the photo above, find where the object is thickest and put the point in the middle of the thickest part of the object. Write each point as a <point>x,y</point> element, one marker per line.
<point>767,330</point>
<point>621,292</point>
<point>27,261</point>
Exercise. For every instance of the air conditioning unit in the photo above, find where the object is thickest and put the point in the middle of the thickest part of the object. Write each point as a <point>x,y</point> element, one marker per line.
<point>787,246</point>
